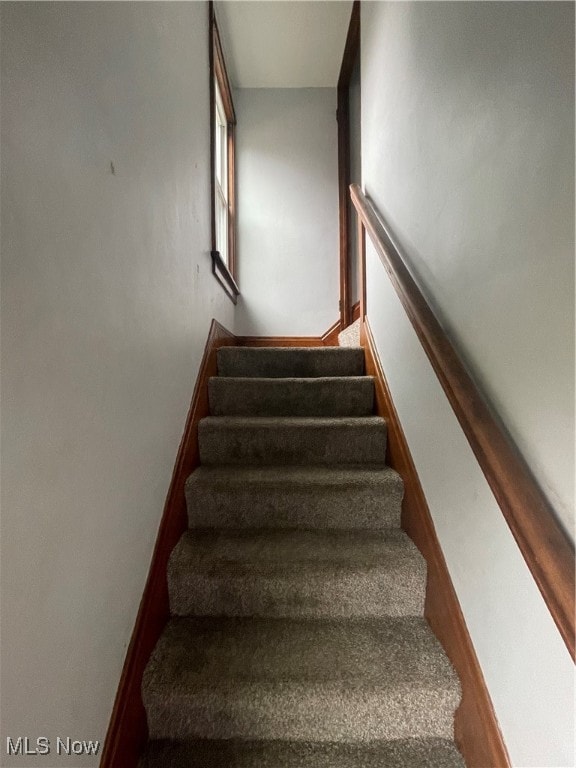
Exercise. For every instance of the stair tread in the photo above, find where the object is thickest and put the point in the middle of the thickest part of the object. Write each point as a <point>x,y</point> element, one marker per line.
<point>299,496</point>
<point>323,350</point>
<point>288,351</point>
<point>328,680</point>
<point>296,573</point>
<point>286,422</point>
<point>346,475</point>
<point>235,655</point>
<point>399,753</point>
<point>306,381</point>
<point>286,396</point>
<point>283,550</point>
<point>296,440</point>
<point>290,361</point>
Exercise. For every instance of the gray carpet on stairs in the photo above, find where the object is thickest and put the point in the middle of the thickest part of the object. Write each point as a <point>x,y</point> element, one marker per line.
<point>290,362</point>
<point>401,753</point>
<point>282,573</point>
<point>292,440</point>
<point>297,635</point>
<point>299,680</point>
<point>326,396</point>
<point>294,497</point>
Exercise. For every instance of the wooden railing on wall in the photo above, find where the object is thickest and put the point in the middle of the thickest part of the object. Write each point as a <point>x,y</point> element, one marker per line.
<point>547,549</point>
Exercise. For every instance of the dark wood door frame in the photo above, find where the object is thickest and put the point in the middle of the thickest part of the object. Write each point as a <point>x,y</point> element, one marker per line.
<point>351,52</point>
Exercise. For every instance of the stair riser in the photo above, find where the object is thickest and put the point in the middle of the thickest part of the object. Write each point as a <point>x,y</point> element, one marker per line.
<point>292,507</point>
<point>376,593</point>
<point>288,397</point>
<point>299,714</point>
<point>406,753</point>
<point>290,362</point>
<point>294,445</point>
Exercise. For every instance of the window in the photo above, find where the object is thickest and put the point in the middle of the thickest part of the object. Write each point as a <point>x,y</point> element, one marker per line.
<point>221,175</point>
<point>223,121</point>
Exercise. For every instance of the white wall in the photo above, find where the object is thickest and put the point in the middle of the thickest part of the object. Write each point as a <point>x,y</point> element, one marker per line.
<point>355,106</point>
<point>468,142</point>
<point>107,298</point>
<point>287,169</point>
<point>527,668</point>
<point>467,137</point>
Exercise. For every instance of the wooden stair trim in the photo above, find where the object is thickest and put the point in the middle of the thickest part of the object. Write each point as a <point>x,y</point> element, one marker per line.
<point>279,341</point>
<point>345,223</point>
<point>476,729</point>
<point>128,730</point>
<point>328,339</point>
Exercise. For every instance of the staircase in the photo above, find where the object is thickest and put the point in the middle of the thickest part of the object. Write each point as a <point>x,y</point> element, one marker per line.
<point>297,635</point>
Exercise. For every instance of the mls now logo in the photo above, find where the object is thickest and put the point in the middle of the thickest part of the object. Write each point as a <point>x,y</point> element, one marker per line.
<point>23,745</point>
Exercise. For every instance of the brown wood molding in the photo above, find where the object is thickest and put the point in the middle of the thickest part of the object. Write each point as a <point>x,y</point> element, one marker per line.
<point>128,731</point>
<point>220,71</point>
<point>217,69</point>
<point>232,252</point>
<point>279,341</point>
<point>475,725</point>
<point>224,277</point>
<point>351,47</point>
<point>547,549</point>
<point>221,75</point>
<point>212,112</point>
<point>351,51</point>
<point>343,115</point>
<point>330,338</point>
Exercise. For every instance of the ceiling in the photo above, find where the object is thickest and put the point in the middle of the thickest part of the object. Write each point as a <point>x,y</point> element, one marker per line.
<point>283,43</point>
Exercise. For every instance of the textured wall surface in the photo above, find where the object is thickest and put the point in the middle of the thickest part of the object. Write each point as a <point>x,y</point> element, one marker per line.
<point>107,298</point>
<point>287,210</point>
<point>467,139</point>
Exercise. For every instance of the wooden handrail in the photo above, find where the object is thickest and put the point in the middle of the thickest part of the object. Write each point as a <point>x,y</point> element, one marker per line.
<point>547,549</point>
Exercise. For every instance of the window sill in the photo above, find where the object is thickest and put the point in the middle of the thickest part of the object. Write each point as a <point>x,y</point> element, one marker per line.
<point>224,277</point>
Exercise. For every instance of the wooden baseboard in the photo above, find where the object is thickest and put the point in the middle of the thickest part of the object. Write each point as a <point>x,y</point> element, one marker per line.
<point>476,729</point>
<point>128,731</point>
<point>328,339</point>
<point>279,341</point>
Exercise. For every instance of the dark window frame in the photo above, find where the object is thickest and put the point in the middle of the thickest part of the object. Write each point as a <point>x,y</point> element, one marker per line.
<point>224,272</point>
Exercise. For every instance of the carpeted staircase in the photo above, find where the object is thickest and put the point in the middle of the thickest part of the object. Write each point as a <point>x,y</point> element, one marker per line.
<point>297,635</point>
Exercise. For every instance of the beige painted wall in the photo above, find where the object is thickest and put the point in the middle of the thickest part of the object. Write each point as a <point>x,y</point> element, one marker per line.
<point>107,298</point>
<point>468,152</point>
